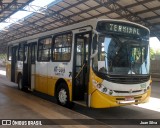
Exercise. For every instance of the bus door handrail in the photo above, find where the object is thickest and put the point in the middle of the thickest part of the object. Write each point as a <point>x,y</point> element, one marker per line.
<point>80,70</point>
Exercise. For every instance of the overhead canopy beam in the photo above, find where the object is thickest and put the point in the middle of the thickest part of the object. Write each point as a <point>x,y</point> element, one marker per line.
<point>50,14</point>
<point>57,17</point>
<point>17,5</point>
<point>125,13</point>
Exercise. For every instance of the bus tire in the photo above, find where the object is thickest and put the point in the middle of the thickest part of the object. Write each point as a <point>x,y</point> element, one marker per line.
<point>62,96</point>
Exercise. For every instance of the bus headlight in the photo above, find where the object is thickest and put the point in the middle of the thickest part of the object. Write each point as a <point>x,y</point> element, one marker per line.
<point>102,88</point>
<point>99,86</point>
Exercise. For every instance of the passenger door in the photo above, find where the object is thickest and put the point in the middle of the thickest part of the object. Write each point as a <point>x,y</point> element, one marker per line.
<point>13,63</point>
<point>29,64</point>
<point>81,66</point>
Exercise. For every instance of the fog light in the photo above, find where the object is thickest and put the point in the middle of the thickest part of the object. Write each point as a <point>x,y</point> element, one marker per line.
<point>104,89</point>
<point>110,92</point>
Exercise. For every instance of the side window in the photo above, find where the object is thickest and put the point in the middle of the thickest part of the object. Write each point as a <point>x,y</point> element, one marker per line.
<point>44,48</point>
<point>9,53</point>
<point>62,47</point>
<point>20,52</point>
<point>33,53</point>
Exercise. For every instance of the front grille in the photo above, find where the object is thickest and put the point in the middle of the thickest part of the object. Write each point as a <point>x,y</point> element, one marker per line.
<point>127,91</point>
<point>127,79</point>
<point>124,79</point>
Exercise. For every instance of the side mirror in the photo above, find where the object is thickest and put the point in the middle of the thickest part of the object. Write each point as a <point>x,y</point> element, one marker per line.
<point>95,40</point>
<point>95,46</point>
<point>94,54</point>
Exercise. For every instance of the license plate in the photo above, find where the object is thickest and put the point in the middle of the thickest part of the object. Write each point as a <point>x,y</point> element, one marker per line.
<point>129,98</point>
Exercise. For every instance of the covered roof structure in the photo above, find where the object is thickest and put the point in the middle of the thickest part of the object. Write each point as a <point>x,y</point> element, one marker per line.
<point>65,12</point>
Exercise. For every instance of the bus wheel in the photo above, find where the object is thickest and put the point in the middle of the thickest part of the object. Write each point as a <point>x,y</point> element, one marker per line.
<point>62,96</point>
<point>20,87</point>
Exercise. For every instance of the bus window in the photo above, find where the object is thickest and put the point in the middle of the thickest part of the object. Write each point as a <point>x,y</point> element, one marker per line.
<point>33,53</point>
<point>9,53</point>
<point>44,48</point>
<point>20,52</point>
<point>62,47</point>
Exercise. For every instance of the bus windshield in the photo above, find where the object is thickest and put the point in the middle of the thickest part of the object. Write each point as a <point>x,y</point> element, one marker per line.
<point>121,55</point>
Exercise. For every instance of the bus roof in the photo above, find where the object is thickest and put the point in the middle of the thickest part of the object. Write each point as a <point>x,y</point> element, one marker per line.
<point>92,22</point>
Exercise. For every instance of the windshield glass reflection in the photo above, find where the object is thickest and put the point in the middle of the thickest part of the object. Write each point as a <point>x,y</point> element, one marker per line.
<point>122,55</point>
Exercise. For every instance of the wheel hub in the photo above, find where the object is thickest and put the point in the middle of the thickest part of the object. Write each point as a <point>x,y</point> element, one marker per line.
<point>62,96</point>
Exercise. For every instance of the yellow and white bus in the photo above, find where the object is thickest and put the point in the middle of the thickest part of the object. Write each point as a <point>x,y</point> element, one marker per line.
<point>100,63</point>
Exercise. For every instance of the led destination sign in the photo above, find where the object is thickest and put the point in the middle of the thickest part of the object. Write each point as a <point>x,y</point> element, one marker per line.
<point>124,29</point>
<point>121,28</point>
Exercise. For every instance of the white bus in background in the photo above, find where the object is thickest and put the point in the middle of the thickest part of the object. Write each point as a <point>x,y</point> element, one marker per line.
<point>99,63</point>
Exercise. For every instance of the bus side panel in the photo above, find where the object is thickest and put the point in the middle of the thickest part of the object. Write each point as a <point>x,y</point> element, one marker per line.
<point>51,79</point>
<point>51,86</point>
<point>37,82</point>
<point>52,83</point>
<point>41,83</point>
<point>56,71</point>
<point>41,77</point>
<point>33,76</point>
<point>45,81</point>
<point>8,70</point>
